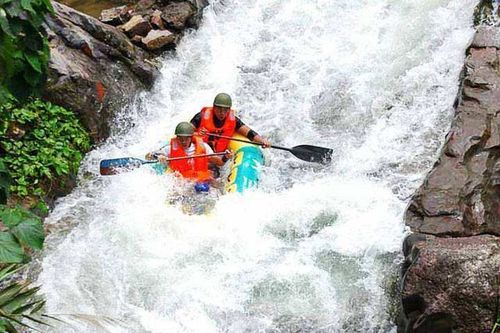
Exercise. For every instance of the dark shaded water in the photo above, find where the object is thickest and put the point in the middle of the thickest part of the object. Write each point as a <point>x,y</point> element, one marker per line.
<point>93,7</point>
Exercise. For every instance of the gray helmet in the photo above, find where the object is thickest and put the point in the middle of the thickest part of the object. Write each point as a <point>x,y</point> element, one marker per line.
<point>223,100</point>
<point>184,129</point>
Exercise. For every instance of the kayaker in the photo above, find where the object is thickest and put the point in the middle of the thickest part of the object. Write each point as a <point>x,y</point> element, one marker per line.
<point>221,119</point>
<point>186,143</point>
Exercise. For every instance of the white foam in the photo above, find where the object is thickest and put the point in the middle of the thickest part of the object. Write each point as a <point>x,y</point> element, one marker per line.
<point>314,246</point>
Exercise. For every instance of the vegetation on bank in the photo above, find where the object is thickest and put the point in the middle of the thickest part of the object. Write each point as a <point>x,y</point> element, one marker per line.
<point>42,143</point>
<point>24,49</point>
<point>41,146</point>
<point>21,232</point>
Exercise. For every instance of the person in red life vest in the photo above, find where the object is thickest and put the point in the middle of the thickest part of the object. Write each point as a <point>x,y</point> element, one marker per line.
<point>220,119</point>
<point>184,144</point>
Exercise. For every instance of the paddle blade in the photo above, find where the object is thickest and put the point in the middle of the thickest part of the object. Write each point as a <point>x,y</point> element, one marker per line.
<point>313,153</point>
<point>117,165</point>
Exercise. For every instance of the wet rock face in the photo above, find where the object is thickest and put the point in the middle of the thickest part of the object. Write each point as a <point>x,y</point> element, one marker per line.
<point>94,69</point>
<point>460,195</point>
<point>452,271</point>
<point>451,283</point>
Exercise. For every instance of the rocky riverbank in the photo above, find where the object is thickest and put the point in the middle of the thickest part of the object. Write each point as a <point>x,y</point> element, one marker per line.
<point>451,274</point>
<point>96,68</point>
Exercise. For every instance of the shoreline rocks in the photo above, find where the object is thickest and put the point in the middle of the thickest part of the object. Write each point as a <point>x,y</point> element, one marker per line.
<point>96,69</point>
<point>451,274</point>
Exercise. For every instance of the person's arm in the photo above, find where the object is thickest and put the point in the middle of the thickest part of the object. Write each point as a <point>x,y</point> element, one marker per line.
<point>253,136</point>
<point>220,161</point>
<point>217,160</point>
<point>160,155</point>
<point>196,120</point>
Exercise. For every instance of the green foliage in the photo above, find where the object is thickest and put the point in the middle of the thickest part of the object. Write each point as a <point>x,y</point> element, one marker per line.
<point>22,230</point>
<point>5,182</point>
<point>484,13</point>
<point>24,50</point>
<point>40,141</point>
<point>18,302</point>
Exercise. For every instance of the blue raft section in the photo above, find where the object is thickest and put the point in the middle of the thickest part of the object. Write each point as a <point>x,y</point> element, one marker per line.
<point>245,166</point>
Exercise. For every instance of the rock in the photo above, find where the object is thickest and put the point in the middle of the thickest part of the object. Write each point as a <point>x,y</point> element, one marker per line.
<point>451,284</point>
<point>487,36</point>
<point>157,21</point>
<point>115,16</point>
<point>137,26</point>
<point>452,261</point>
<point>177,14</point>
<point>137,39</point>
<point>94,69</point>
<point>158,39</point>
<point>459,185</point>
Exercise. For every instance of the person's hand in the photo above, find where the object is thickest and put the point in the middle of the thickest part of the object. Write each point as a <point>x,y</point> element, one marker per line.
<point>162,159</point>
<point>203,132</point>
<point>228,154</point>
<point>265,143</point>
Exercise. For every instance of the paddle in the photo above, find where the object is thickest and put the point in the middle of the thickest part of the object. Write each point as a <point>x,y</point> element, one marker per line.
<point>117,165</point>
<point>304,152</point>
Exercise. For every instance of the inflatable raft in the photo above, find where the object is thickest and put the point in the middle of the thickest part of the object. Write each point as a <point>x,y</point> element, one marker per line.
<point>240,174</point>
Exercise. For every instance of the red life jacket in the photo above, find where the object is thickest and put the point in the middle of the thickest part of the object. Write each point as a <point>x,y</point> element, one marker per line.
<point>228,128</point>
<point>191,168</point>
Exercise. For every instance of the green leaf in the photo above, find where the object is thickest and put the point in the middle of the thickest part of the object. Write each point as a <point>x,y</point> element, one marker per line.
<point>30,232</point>
<point>14,319</point>
<point>10,292</point>
<point>11,217</point>
<point>4,24</point>
<point>16,302</point>
<point>26,5</point>
<point>36,320</point>
<point>10,328</point>
<point>14,9</point>
<point>10,250</point>
<point>9,270</point>
<point>28,307</point>
<point>38,307</point>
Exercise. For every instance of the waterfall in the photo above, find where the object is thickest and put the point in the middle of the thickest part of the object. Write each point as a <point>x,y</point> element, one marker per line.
<point>313,249</point>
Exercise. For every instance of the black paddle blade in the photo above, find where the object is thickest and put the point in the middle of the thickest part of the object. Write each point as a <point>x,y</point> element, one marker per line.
<point>313,153</point>
<point>117,165</point>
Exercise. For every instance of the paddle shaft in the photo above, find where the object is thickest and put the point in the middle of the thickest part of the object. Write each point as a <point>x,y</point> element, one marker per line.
<point>187,157</point>
<point>304,152</point>
<point>113,166</point>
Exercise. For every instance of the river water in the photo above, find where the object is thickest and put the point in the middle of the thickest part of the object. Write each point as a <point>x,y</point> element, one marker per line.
<point>315,248</point>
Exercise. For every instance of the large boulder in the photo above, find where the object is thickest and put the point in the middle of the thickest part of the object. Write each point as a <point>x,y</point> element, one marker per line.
<point>176,15</point>
<point>451,283</point>
<point>452,271</point>
<point>94,69</point>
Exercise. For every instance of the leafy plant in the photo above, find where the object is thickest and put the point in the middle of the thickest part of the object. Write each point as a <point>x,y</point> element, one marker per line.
<point>40,141</point>
<point>18,302</point>
<point>24,50</point>
<point>23,230</point>
<point>5,182</point>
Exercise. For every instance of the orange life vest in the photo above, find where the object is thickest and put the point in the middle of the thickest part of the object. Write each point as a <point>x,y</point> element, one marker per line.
<point>191,168</point>
<point>228,128</point>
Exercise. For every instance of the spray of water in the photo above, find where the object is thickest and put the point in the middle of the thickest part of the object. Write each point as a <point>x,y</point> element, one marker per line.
<point>315,248</point>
